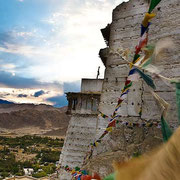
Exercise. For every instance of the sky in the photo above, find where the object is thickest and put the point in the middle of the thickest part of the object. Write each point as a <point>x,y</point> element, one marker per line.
<point>47,46</point>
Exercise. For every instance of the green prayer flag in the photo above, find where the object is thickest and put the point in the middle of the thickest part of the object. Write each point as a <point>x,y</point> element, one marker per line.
<point>110,177</point>
<point>147,79</point>
<point>153,4</point>
<point>127,86</point>
<point>166,130</point>
<point>178,99</point>
<point>136,56</point>
<point>177,82</point>
<point>77,168</point>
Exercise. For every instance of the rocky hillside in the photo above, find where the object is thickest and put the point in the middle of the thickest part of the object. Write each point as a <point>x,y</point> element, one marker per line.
<point>33,119</point>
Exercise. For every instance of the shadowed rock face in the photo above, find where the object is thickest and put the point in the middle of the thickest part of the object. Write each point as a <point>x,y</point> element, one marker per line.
<point>53,121</point>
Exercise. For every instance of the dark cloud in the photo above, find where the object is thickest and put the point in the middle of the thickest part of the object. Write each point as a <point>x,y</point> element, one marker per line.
<point>22,95</point>
<point>39,93</point>
<point>58,101</point>
<point>20,82</point>
<point>72,86</point>
<point>5,102</point>
<point>8,80</point>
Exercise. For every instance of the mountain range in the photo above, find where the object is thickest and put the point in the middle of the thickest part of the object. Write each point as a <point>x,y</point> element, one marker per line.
<point>22,119</point>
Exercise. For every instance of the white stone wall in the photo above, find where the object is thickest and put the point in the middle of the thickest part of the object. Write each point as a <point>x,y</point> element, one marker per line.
<point>125,32</point>
<point>83,107</point>
<point>91,85</point>
<point>81,132</point>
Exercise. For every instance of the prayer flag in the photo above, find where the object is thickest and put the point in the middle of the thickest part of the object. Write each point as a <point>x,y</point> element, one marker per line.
<point>153,4</point>
<point>147,19</point>
<point>147,79</point>
<point>166,130</point>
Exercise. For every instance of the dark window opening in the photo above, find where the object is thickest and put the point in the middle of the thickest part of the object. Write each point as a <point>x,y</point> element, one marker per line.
<point>74,103</point>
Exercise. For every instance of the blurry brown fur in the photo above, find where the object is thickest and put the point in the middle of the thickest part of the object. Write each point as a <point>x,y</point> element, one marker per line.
<point>161,164</point>
<point>160,48</point>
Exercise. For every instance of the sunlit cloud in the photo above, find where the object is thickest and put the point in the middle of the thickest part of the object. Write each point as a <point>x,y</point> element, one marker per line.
<point>26,95</point>
<point>26,90</point>
<point>71,50</point>
<point>8,67</point>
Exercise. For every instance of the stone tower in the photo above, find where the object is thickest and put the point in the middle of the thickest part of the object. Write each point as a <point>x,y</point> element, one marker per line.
<point>124,32</point>
<point>83,108</point>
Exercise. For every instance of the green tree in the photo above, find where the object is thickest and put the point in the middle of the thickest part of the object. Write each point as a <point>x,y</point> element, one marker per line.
<point>39,174</point>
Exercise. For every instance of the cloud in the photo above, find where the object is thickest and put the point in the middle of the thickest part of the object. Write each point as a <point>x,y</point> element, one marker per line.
<point>8,67</point>
<point>5,102</point>
<point>16,37</point>
<point>58,101</point>
<point>26,90</point>
<point>22,95</point>
<point>39,93</point>
<point>26,95</point>
<point>23,50</point>
<point>4,37</point>
<point>55,51</point>
<point>72,86</point>
<point>14,81</point>
<point>67,48</point>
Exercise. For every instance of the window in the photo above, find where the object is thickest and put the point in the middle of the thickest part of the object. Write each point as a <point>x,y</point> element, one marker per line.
<point>74,103</point>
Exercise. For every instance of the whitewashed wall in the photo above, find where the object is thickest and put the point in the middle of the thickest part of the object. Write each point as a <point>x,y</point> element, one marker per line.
<point>125,32</point>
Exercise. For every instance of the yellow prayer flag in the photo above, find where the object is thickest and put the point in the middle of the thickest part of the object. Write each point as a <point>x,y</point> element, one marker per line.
<point>109,129</point>
<point>96,144</point>
<point>147,18</point>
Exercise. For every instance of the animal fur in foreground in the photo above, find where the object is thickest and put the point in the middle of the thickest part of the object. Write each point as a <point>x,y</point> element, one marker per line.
<point>161,164</point>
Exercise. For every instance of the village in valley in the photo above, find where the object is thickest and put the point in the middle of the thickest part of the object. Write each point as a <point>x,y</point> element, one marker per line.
<point>33,156</point>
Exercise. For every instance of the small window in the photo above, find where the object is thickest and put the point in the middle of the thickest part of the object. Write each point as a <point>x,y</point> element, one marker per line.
<point>84,103</point>
<point>74,103</point>
<point>89,104</point>
<point>95,105</point>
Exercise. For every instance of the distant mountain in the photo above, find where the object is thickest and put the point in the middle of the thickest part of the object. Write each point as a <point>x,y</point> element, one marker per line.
<point>41,119</point>
<point>5,102</point>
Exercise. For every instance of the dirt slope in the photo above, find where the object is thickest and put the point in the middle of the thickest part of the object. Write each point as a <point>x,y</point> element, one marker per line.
<point>35,119</point>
